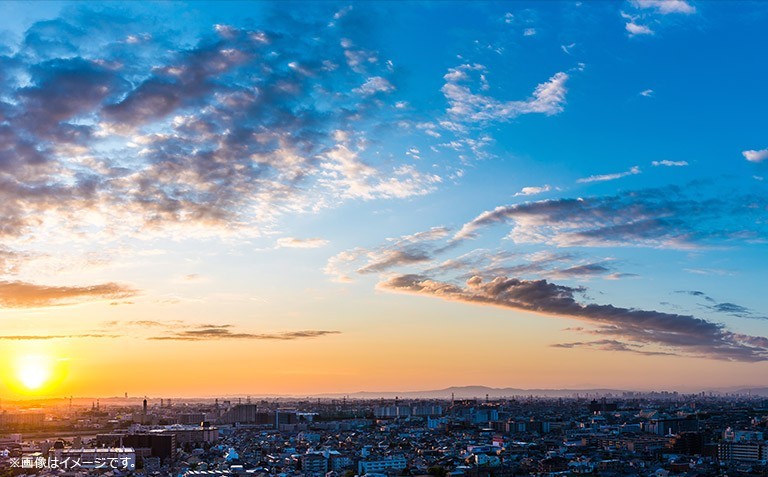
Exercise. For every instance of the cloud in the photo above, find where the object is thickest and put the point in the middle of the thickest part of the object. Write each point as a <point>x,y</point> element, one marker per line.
<point>349,176</point>
<point>737,310</point>
<point>645,12</point>
<point>667,217</point>
<point>291,242</point>
<point>222,332</point>
<point>374,85</point>
<point>394,258</point>
<point>647,93</point>
<point>755,156</point>
<point>586,270</point>
<point>137,130</point>
<point>54,337</point>
<point>730,308</point>
<point>611,345</point>
<point>647,330</point>
<point>532,190</point>
<point>401,251</point>
<point>724,307</point>
<point>548,98</point>
<point>665,7</point>
<point>669,163</point>
<point>635,29</point>
<point>29,295</point>
<point>609,177</point>
<point>697,293</point>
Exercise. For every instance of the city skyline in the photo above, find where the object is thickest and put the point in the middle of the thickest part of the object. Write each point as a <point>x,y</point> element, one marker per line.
<point>223,198</point>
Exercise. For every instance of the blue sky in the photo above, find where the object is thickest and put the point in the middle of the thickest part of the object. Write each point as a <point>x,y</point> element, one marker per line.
<point>322,175</point>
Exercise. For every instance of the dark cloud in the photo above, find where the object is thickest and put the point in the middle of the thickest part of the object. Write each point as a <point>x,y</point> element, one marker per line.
<point>611,345</point>
<point>667,217</point>
<point>65,89</point>
<point>726,307</point>
<point>736,310</point>
<point>29,295</point>
<point>684,334</point>
<point>730,308</point>
<point>223,332</point>
<point>584,271</point>
<point>52,39</point>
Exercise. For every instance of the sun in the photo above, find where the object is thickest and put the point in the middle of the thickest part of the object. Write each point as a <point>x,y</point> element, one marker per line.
<point>34,371</point>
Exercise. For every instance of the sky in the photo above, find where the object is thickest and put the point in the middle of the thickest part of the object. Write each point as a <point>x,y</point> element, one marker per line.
<point>212,198</point>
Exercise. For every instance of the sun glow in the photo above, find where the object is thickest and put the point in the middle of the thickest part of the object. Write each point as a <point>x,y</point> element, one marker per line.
<point>34,371</point>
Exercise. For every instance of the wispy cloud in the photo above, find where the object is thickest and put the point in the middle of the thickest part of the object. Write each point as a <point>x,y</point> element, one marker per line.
<point>665,7</point>
<point>533,190</point>
<point>727,308</point>
<point>292,242</point>
<point>612,345</point>
<point>609,177</point>
<point>30,295</point>
<point>668,163</point>
<point>397,252</point>
<point>643,13</point>
<point>666,217</point>
<point>55,337</point>
<point>223,332</point>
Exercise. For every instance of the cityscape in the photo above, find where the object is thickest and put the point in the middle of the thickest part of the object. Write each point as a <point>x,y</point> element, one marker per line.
<point>383,238</point>
<point>657,434</point>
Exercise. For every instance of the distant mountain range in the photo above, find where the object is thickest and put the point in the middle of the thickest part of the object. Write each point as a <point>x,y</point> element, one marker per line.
<point>479,392</point>
<point>754,391</point>
<point>471,392</point>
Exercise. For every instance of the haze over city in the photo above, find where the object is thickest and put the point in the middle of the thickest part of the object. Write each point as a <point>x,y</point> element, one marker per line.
<point>257,198</point>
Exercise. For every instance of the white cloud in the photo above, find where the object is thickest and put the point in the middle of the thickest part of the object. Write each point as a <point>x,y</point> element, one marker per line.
<point>350,177</point>
<point>291,242</point>
<point>610,177</point>
<point>647,93</point>
<point>373,85</point>
<point>755,156</point>
<point>665,7</point>
<point>534,190</point>
<point>529,32</point>
<point>567,48</point>
<point>634,29</point>
<point>343,12</point>
<point>548,98</point>
<point>670,163</point>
